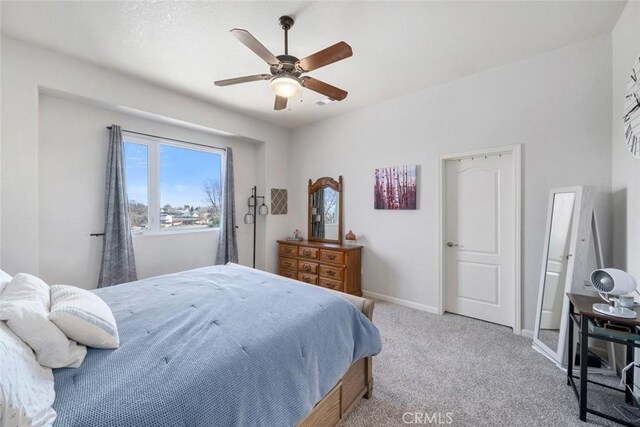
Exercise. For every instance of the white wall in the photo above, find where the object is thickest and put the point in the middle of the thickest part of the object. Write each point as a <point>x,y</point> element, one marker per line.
<point>625,181</point>
<point>626,169</point>
<point>72,154</point>
<point>557,105</point>
<point>28,70</point>
<point>1,104</point>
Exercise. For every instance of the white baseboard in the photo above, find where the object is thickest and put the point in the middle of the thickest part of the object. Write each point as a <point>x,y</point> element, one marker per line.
<point>414,305</point>
<point>527,333</point>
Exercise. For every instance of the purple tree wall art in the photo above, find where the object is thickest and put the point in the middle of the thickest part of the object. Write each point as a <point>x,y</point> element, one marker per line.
<point>395,188</point>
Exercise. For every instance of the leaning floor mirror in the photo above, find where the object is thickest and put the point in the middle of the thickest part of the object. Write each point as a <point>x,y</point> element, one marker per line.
<point>571,251</point>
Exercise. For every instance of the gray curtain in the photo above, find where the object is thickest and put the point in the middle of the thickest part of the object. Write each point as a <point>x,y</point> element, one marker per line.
<point>118,262</point>
<point>228,243</point>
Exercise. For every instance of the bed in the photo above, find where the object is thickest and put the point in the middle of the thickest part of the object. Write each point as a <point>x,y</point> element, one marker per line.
<point>223,345</point>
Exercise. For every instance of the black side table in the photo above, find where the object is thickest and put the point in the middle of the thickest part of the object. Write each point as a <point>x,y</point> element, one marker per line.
<point>581,314</point>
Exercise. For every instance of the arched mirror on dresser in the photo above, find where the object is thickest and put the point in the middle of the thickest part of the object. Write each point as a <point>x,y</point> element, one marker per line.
<point>323,259</point>
<point>325,210</point>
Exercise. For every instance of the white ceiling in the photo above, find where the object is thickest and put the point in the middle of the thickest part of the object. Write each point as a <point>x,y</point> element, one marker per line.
<point>399,47</point>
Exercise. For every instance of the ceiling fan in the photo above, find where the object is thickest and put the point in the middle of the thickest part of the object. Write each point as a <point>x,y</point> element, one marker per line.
<point>287,71</point>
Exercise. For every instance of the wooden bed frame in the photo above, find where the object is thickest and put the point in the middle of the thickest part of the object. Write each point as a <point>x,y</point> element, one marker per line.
<point>353,386</point>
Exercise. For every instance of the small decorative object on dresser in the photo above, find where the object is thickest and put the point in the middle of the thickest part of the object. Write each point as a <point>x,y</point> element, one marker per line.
<point>330,265</point>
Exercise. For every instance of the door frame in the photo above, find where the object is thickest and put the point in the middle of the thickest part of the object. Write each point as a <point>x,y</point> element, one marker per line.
<point>516,156</point>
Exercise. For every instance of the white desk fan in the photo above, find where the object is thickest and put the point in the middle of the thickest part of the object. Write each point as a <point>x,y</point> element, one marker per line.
<point>613,282</point>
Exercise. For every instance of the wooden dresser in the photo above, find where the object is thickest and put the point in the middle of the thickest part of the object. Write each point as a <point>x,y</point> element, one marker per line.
<point>330,265</point>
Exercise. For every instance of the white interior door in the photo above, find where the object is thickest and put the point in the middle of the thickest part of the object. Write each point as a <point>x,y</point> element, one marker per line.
<point>479,233</point>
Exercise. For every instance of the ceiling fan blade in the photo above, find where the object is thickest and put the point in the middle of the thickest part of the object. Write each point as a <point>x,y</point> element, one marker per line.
<point>252,43</point>
<point>245,79</point>
<point>281,103</point>
<point>326,56</point>
<point>324,88</point>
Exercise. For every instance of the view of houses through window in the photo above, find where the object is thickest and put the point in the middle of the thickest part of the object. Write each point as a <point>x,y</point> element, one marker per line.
<point>172,186</point>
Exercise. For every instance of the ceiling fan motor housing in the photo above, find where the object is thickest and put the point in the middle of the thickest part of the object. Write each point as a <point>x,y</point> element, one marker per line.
<point>287,66</point>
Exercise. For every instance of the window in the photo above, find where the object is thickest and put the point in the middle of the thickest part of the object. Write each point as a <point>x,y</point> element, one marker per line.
<point>172,186</point>
<point>137,173</point>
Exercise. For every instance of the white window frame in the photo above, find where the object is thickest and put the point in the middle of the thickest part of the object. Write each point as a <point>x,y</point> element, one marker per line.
<point>153,185</point>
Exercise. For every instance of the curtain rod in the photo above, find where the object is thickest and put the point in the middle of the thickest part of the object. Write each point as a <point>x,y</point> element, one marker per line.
<point>170,139</point>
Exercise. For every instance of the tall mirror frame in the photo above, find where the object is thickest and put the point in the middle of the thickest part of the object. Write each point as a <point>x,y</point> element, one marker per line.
<point>583,232</point>
<point>320,185</point>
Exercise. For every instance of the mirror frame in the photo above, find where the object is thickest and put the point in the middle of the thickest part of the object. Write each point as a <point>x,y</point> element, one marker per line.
<point>326,182</point>
<point>577,228</point>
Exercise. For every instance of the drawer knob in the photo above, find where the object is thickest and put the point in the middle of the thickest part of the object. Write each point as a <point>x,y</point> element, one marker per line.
<point>306,253</point>
<point>307,268</point>
<point>331,272</point>
<point>331,257</point>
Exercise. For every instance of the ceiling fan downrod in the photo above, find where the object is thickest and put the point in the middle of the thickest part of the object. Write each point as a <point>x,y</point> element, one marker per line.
<point>286,22</point>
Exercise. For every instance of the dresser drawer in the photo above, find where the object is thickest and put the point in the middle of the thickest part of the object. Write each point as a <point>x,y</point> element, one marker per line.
<point>308,278</point>
<point>291,274</point>
<point>331,272</point>
<point>288,264</point>
<point>331,284</point>
<point>288,250</point>
<point>308,252</point>
<point>332,256</point>
<point>308,267</point>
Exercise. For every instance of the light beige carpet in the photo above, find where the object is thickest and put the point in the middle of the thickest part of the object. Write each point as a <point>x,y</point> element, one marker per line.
<point>468,372</point>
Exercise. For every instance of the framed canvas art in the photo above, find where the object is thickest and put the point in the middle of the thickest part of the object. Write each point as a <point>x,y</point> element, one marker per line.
<point>396,188</point>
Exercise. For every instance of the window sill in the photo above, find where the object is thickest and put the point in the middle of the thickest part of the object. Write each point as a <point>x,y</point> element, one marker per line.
<point>137,234</point>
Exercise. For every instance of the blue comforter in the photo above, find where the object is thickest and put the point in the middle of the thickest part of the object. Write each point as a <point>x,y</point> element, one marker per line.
<point>216,346</point>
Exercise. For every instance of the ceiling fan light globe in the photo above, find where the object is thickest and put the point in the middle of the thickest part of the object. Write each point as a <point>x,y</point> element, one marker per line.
<point>285,86</point>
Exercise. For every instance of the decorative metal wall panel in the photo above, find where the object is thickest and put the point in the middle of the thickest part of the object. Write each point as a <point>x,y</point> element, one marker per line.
<point>278,201</point>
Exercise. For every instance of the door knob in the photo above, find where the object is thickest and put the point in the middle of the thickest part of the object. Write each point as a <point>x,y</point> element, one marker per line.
<point>451,244</point>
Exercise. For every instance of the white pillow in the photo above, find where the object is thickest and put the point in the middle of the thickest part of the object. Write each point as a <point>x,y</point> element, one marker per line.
<point>27,392</point>
<point>24,305</point>
<point>83,316</point>
<point>4,279</point>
